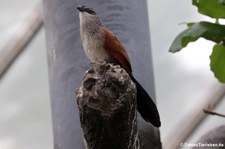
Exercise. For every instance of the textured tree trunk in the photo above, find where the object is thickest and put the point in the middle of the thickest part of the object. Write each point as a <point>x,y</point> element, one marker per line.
<point>107,105</point>
<point>128,19</point>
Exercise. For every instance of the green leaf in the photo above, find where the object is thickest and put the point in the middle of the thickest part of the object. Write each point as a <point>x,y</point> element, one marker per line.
<point>207,30</point>
<point>217,63</point>
<point>190,24</point>
<point>211,8</point>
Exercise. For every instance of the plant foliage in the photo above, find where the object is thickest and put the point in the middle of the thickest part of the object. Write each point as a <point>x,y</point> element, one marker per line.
<point>211,31</point>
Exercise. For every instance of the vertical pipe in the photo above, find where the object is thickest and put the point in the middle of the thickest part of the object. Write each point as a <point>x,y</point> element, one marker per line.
<point>128,19</point>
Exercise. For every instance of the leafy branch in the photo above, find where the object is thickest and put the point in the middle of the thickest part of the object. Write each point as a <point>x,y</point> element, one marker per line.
<point>210,31</point>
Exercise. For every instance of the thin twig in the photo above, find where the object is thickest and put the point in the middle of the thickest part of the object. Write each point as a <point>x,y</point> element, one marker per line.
<point>194,116</point>
<point>208,111</point>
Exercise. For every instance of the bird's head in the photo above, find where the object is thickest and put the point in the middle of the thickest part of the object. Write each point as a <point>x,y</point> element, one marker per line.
<point>88,18</point>
<point>84,9</point>
<point>86,13</point>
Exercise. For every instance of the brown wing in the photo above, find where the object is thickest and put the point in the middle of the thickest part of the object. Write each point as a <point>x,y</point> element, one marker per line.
<point>116,50</point>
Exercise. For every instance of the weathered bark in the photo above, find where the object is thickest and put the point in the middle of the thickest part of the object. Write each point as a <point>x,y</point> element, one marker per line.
<point>107,106</point>
<point>128,19</point>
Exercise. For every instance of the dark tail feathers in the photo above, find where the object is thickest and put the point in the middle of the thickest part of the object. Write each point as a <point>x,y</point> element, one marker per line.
<point>145,106</point>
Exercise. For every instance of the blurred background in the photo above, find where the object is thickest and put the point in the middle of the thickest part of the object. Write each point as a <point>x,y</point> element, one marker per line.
<point>184,83</point>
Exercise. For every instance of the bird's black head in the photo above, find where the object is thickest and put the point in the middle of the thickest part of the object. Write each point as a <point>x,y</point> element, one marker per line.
<point>86,9</point>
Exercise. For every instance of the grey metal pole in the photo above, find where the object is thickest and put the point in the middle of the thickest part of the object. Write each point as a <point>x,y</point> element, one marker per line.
<point>128,19</point>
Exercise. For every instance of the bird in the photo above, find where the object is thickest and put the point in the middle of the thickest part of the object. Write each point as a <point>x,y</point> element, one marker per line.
<point>99,43</point>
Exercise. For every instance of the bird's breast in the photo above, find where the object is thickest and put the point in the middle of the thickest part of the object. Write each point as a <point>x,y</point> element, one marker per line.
<point>93,47</point>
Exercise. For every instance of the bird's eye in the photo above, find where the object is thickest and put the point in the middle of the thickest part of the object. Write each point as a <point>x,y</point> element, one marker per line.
<point>90,11</point>
<point>86,9</point>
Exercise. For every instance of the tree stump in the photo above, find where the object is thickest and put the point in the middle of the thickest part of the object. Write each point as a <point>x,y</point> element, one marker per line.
<point>107,107</point>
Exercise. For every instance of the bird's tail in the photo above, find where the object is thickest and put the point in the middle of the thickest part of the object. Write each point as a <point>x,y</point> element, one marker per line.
<point>145,106</point>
